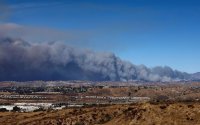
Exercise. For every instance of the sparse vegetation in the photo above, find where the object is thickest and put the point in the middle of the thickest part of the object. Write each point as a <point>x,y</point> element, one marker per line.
<point>140,114</point>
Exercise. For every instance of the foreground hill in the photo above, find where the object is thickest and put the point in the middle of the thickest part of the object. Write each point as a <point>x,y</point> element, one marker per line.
<point>134,114</point>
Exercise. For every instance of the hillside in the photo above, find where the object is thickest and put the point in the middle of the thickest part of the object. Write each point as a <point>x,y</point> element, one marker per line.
<point>134,114</point>
<point>196,76</point>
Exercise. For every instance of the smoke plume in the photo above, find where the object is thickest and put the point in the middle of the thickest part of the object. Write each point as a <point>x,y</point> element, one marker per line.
<point>22,61</point>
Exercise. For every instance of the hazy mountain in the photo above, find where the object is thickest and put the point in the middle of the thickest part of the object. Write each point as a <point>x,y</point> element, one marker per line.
<point>196,76</point>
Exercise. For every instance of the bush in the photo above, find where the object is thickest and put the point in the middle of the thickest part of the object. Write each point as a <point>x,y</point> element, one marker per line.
<point>3,110</point>
<point>16,109</point>
<point>190,106</point>
<point>105,119</point>
<point>163,107</point>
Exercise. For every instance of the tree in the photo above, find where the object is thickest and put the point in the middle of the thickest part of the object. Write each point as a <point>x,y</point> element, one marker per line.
<point>3,110</point>
<point>16,109</point>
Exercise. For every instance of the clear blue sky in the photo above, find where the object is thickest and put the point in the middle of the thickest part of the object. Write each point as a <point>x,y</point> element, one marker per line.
<point>149,32</point>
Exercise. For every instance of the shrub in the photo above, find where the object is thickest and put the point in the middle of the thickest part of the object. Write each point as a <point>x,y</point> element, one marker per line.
<point>190,106</point>
<point>16,109</point>
<point>163,107</point>
<point>104,119</point>
<point>3,110</point>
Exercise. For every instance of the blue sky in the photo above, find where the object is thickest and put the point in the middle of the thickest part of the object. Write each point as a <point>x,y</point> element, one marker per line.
<point>149,32</point>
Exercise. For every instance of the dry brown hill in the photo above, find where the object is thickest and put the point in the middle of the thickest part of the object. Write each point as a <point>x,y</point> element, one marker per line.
<point>134,114</point>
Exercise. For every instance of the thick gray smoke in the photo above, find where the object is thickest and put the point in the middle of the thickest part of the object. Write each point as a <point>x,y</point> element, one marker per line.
<point>21,61</point>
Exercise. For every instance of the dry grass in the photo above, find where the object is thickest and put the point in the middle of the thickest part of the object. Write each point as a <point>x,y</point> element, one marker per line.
<point>135,114</point>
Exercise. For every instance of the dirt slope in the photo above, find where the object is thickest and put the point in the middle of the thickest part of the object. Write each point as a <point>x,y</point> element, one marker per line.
<point>135,114</point>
